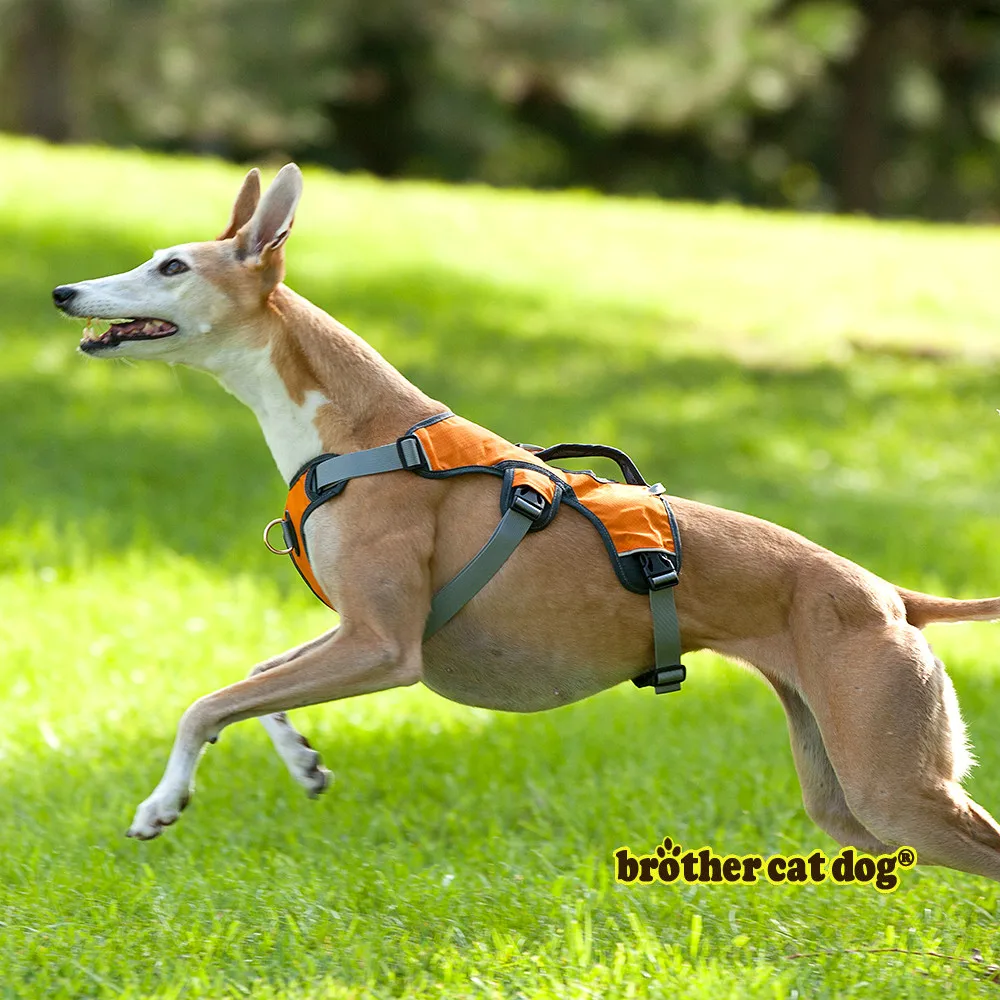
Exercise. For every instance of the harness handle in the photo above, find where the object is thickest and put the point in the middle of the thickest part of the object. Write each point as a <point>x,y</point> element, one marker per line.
<point>632,475</point>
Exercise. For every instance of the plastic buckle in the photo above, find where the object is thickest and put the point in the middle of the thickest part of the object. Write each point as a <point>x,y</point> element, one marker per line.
<point>669,578</point>
<point>529,503</point>
<point>668,679</point>
<point>663,680</point>
<point>411,453</point>
<point>659,570</point>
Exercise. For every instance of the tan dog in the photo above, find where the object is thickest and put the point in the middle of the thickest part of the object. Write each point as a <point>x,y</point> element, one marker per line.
<point>875,729</point>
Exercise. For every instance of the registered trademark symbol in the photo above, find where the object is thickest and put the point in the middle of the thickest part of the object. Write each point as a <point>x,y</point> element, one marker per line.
<point>907,857</point>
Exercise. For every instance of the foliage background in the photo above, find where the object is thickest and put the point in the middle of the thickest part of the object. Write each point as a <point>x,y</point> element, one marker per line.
<point>881,106</point>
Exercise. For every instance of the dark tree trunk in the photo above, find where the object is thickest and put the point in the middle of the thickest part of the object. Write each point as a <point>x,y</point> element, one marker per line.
<point>374,124</point>
<point>866,83</point>
<point>42,51</point>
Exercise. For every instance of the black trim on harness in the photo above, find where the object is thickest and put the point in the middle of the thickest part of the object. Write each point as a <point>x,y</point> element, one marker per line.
<point>427,421</point>
<point>288,533</point>
<point>317,497</point>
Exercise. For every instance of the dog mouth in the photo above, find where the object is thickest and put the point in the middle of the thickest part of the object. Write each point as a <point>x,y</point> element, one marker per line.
<point>123,331</point>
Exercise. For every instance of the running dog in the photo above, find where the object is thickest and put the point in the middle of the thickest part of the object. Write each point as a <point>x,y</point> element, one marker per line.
<point>876,734</point>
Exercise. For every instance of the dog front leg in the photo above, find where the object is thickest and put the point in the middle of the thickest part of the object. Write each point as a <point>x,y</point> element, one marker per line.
<point>345,663</point>
<point>304,763</point>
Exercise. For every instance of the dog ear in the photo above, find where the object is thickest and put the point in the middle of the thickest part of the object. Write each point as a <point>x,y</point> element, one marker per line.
<point>244,206</point>
<point>271,223</point>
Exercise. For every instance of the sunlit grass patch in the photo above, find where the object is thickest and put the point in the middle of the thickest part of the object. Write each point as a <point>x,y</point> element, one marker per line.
<point>837,376</point>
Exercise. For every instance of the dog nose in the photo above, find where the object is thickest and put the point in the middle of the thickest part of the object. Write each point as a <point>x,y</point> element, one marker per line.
<point>63,295</point>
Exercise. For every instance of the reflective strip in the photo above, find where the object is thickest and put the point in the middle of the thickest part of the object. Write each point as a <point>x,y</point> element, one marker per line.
<point>483,566</point>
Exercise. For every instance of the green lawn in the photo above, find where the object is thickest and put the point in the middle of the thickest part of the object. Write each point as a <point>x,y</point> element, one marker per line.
<point>836,376</point>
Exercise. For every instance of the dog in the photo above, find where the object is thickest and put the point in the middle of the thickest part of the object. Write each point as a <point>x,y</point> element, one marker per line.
<point>877,738</point>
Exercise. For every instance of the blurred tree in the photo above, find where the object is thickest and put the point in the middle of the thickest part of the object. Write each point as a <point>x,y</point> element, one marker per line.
<point>894,35</point>
<point>865,100</point>
<point>38,34</point>
<point>882,106</point>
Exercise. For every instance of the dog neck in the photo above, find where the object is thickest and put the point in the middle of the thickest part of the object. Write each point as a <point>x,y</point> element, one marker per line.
<point>315,386</point>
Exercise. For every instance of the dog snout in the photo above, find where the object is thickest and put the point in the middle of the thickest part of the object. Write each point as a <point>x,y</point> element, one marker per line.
<point>63,295</point>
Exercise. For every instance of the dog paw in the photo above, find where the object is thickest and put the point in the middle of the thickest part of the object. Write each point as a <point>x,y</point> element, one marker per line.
<point>307,769</point>
<point>302,761</point>
<point>161,809</point>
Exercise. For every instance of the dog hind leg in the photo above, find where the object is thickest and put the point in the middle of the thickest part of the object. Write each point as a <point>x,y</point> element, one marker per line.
<point>822,794</point>
<point>890,723</point>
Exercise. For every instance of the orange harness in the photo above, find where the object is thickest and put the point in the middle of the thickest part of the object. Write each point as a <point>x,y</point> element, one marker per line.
<point>634,519</point>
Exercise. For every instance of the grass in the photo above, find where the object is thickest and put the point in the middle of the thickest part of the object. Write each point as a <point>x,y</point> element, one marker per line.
<point>836,376</point>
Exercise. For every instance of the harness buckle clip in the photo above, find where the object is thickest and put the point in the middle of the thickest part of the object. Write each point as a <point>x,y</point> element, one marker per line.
<point>666,579</point>
<point>529,503</point>
<point>663,680</point>
<point>669,679</point>
<point>411,453</point>
<point>659,570</point>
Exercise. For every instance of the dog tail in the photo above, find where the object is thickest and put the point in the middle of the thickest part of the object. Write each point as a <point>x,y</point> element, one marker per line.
<point>922,609</point>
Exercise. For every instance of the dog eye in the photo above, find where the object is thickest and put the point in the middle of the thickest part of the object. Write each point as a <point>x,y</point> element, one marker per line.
<point>173,266</point>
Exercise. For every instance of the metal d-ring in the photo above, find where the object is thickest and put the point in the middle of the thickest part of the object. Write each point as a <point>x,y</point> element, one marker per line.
<point>267,530</point>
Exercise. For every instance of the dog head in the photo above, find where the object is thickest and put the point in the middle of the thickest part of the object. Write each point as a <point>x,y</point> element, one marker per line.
<point>194,302</point>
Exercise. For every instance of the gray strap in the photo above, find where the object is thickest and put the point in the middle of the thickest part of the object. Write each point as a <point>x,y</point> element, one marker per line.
<point>666,641</point>
<point>458,591</point>
<point>385,458</point>
<point>407,453</point>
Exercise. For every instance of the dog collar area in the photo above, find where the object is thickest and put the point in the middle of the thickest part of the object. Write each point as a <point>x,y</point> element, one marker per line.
<point>634,519</point>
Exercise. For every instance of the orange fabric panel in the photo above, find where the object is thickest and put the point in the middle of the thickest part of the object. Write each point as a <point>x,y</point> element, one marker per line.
<point>635,518</point>
<point>295,507</point>
<point>537,481</point>
<point>455,442</point>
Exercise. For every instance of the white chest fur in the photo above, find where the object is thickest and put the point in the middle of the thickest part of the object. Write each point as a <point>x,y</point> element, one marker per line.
<point>289,427</point>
